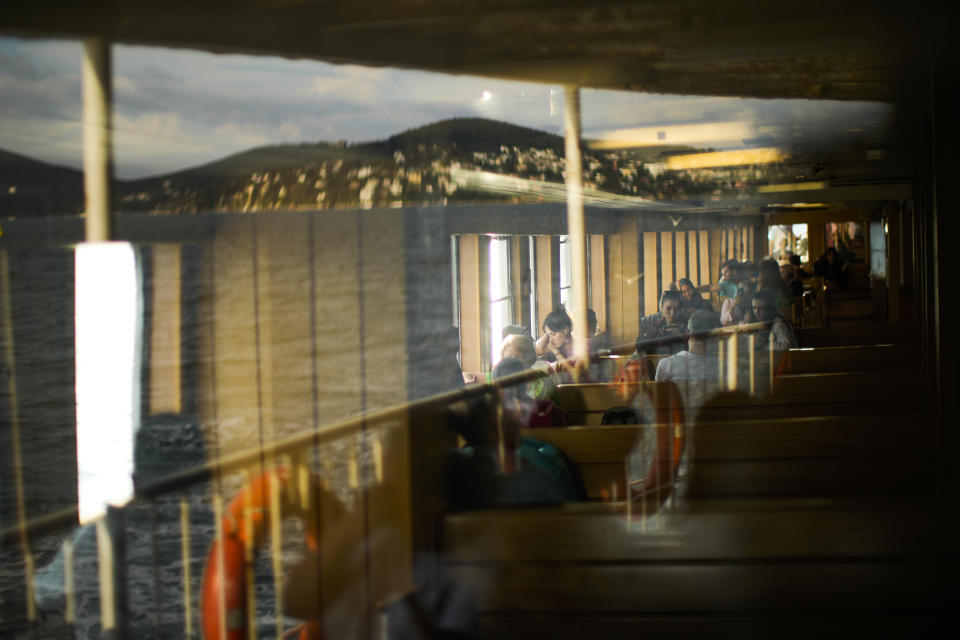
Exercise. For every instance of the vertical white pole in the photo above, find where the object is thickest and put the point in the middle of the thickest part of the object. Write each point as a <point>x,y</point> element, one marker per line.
<point>576,227</point>
<point>97,151</point>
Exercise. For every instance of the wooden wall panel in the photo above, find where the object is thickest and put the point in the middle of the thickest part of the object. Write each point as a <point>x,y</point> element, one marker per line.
<point>337,330</point>
<point>666,260</point>
<point>384,308</point>
<point>650,284</point>
<point>234,345</point>
<point>474,301</point>
<point>681,247</point>
<point>716,258</point>
<point>519,280</point>
<point>623,268</point>
<point>706,275</point>
<point>548,277</point>
<point>598,280</point>
<point>166,379</point>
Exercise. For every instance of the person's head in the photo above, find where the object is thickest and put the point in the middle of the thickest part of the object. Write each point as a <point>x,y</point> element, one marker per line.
<point>557,326</point>
<point>513,329</point>
<point>744,290</point>
<point>769,274</point>
<point>519,347</point>
<point>516,402</point>
<point>687,290</point>
<point>670,306</point>
<point>831,254</point>
<point>795,260</point>
<point>748,271</point>
<point>788,272</point>
<point>702,321</point>
<point>591,322</point>
<point>730,270</point>
<point>764,306</point>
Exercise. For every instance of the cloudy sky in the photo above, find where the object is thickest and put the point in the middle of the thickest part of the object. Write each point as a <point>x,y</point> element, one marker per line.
<point>179,108</point>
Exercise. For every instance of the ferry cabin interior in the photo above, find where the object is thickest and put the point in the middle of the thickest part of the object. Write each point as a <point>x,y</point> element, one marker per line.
<point>817,498</point>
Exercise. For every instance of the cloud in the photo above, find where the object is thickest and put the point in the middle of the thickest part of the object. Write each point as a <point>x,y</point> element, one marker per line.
<point>174,107</point>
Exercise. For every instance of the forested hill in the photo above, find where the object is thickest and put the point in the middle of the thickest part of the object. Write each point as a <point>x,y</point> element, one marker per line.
<point>409,168</point>
<point>30,187</point>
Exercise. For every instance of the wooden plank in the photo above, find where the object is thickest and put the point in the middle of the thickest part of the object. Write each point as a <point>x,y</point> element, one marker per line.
<point>815,476</point>
<point>715,259</point>
<point>865,334</point>
<point>795,437</point>
<point>799,625</point>
<point>598,280</point>
<point>165,392</point>
<point>650,284</point>
<point>856,358</point>
<point>234,345</point>
<point>593,396</point>
<point>585,445</point>
<point>681,247</point>
<point>474,304</point>
<point>624,300</point>
<point>666,260</point>
<point>775,586</point>
<point>783,527</point>
<point>806,437</point>
<point>548,276</point>
<point>337,316</point>
<point>703,253</point>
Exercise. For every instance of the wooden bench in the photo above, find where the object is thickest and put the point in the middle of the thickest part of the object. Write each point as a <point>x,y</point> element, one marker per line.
<point>855,358</point>
<point>863,334</point>
<point>583,571</point>
<point>835,455</point>
<point>822,394</point>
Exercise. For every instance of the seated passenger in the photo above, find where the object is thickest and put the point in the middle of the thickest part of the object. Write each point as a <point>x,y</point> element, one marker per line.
<point>601,368</point>
<point>801,272</point>
<point>522,348</point>
<point>730,277</point>
<point>637,368</point>
<point>831,267</point>
<point>782,334</point>
<point>690,299</point>
<point>770,280</point>
<point>525,410</point>
<point>694,370</point>
<point>737,310</point>
<point>555,346</point>
<point>788,272</point>
<point>664,324</point>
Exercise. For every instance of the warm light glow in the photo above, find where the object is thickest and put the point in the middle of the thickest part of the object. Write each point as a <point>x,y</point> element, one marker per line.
<point>792,186</point>
<point>699,134</point>
<point>107,326</point>
<point>737,158</point>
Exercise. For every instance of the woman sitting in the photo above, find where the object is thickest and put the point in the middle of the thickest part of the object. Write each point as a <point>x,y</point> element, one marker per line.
<point>665,324</point>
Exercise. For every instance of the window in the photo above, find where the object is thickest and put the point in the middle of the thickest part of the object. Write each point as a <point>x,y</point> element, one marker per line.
<point>501,311</point>
<point>566,274</point>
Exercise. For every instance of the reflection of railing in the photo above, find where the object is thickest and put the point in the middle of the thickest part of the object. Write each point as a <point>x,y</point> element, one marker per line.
<point>376,452</point>
<point>727,344</point>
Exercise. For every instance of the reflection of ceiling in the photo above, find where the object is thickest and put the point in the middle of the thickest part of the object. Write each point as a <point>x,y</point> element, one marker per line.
<point>841,49</point>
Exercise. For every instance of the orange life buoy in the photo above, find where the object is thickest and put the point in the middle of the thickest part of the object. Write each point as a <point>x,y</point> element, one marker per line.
<point>245,521</point>
<point>670,443</point>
